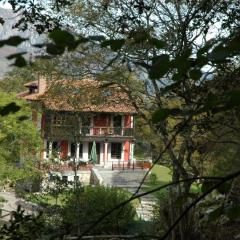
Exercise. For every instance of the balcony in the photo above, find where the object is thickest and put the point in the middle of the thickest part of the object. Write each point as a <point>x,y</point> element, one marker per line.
<point>69,131</point>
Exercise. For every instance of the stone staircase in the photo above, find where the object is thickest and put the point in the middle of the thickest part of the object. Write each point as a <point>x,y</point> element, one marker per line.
<point>129,180</point>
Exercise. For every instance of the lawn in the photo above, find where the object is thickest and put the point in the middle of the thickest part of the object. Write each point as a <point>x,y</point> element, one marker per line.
<point>159,176</point>
<point>163,175</point>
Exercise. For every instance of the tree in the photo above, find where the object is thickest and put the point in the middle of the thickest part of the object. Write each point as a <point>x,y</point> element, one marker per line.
<point>19,138</point>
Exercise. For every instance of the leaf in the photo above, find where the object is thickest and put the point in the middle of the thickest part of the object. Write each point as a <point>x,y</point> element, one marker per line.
<point>62,37</point>
<point>207,185</point>
<point>205,48</point>
<point>163,113</point>
<point>157,43</point>
<point>182,62</point>
<point>114,44</point>
<point>233,212</point>
<point>97,38</point>
<point>2,21</point>
<point>224,188</point>
<point>234,98</point>
<point>181,200</point>
<point>20,62</point>
<point>15,55</point>
<point>215,214</point>
<point>9,108</point>
<point>19,59</point>
<point>159,67</point>
<point>12,41</point>
<point>195,74</point>
<point>54,49</point>
<point>219,54</point>
<point>23,118</point>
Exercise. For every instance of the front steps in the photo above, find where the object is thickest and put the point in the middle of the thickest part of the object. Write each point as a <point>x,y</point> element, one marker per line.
<point>129,180</point>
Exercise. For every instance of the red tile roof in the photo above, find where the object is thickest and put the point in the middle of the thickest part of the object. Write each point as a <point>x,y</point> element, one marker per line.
<point>85,95</point>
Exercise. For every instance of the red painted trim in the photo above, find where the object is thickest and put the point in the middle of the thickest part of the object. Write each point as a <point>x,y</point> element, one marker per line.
<point>126,150</point>
<point>64,149</point>
<point>127,121</point>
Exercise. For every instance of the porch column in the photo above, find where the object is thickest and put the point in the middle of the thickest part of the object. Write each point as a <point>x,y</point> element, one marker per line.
<point>105,152</point>
<point>132,152</point>
<point>77,151</point>
<point>50,149</point>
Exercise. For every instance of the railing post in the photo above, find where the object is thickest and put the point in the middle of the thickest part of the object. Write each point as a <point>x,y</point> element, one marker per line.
<point>123,166</point>
<point>133,166</point>
<point>112,166</point>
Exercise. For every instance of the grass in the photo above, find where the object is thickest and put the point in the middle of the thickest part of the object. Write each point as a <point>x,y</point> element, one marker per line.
<point>163,173</point>
<point>2,199</point>
<point>163,176</point>
<point>159,176</point>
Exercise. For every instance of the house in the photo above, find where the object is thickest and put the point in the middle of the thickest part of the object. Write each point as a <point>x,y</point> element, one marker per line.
<point>75,114</point>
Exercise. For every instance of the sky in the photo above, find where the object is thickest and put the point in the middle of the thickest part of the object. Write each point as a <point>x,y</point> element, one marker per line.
<point>5,5</point>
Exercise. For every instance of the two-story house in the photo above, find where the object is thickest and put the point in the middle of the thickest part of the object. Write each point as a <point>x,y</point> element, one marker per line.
<point>74,114</point>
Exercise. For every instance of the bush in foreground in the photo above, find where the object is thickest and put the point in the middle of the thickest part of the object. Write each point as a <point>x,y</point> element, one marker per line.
<point>85,206</point>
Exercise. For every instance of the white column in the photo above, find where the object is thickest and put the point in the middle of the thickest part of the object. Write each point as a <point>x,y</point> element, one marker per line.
<point>77,151</point>
<point>50,150</point>
<point>69,148</point>
<point>85,151</point>
<point>105,153</point>
<point>132,152</point>
<point>122,151</point>
<point>44,149</point>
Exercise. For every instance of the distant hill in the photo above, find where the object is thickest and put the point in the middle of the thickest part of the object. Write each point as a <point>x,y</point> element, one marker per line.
<point>6,31</point>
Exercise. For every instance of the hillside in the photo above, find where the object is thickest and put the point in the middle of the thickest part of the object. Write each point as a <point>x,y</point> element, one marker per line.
<point>6,30</point>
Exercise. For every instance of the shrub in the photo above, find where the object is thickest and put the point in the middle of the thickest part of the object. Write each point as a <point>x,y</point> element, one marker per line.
<point>86,206</point>
<point>153,178</point>
<point>27,185</point>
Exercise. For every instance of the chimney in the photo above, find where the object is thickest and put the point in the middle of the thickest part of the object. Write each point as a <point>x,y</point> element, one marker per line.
<point>42,84</point>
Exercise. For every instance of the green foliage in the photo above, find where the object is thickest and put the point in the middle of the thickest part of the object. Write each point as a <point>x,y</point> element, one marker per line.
<point>14,80</point>
<point>19,140</point>
<point>153,178</point>
<point>160,66</point>
<point>86,207</point>
<point>22,226</point>
<point>233,212</point>
<point>12,41</point>
<point>28,184</point>
<point>19,59</point>
<point>115,45</point>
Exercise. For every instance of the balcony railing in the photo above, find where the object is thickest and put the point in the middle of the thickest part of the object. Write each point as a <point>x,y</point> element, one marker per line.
<point>70,131</point>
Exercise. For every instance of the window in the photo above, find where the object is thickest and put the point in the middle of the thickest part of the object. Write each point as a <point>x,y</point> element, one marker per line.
<point>65,178</point>
<point>73,150</point>
<point>59,119</point>
<point>116,150</point>
<point>117,121</point>
<point>86,121</point>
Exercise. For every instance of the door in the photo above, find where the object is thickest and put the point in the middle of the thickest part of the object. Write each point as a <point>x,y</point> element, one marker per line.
<point>90,144</point>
